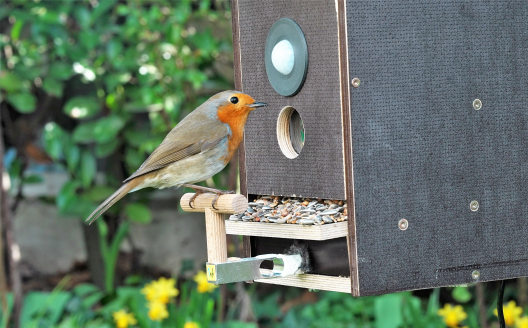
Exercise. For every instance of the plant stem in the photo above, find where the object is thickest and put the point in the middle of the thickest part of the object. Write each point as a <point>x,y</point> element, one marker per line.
<point>481,303</point>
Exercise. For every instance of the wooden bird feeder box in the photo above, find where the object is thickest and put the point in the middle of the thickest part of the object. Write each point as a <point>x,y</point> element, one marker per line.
<point>412,112</point>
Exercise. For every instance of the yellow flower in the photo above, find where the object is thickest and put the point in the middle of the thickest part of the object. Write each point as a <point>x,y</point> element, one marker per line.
<point>203,285</point>
<point>191,324</point>
<point>157,311</point>
<point>123,319</point>
<point>160,291</point>
<point>452,315</point>
<point>511,313</point>
<point>522,322</point>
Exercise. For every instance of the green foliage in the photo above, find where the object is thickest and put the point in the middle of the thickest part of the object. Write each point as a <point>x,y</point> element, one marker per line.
<point>461,294</point>
<point>113,77</point>
<point>125,72</point>
<point>342,310</point>
<point>88,306</point>
<point>138,212</point>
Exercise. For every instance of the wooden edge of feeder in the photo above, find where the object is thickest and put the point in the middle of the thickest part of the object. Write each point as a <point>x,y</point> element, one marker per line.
<point>226,204</point>
<point>289,231</point>
<point>312,281</point>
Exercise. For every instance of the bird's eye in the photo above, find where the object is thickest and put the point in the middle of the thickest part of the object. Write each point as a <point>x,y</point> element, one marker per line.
<point>233,100</point>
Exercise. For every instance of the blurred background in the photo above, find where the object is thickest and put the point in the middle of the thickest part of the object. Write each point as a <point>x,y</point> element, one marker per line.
<point>88,88</point>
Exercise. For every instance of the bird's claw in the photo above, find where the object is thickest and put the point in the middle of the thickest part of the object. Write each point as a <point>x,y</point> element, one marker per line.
<point>218,195</point>
<point>191,201</point>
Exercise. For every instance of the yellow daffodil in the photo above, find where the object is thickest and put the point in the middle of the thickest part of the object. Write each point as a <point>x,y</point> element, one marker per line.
<point>522,322</point>
<point>452,315</point>
<point>203,285</point>
<point>191,324</point>
<point>157,311</point>
<point>511,313</point>
<point>161,290</point>
<point>123,319</point>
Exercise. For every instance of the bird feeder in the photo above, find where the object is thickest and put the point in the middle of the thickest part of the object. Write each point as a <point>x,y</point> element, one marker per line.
<point>413,113</point>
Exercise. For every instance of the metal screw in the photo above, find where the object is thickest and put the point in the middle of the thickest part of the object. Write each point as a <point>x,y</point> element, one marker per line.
<point>356,82</point>
<point>474,206</point>
<point>477,104</point>
<point>403,224</point>
<point>475,275</point>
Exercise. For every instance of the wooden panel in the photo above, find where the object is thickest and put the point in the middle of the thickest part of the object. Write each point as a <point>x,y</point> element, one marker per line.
<point>318,170</point>
<point>423,153</point>
<point>312,281</point>
<point>289,231</point>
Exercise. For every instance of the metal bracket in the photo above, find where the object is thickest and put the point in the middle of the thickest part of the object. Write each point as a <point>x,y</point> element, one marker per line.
<point>244,269</point>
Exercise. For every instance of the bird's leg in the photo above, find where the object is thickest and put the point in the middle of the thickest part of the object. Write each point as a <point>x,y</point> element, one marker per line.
<point>200,190</point>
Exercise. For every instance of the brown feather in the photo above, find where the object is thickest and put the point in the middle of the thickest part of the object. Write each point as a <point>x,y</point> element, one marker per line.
<point>120,193</point>
<point>185,140</point>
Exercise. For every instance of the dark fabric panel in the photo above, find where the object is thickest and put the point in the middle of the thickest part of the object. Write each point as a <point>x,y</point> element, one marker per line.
<point>318,170</point>
<point>421,151</point>
<point>327,257</point>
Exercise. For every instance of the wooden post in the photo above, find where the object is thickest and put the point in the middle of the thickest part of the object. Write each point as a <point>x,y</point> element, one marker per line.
<point>214,219</point>
<point>216,237</point>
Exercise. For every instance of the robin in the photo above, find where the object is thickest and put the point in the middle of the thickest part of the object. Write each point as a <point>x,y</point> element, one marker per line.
<point>197,148</point>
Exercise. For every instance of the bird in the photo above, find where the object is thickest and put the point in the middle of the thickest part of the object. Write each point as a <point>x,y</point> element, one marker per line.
<point>197,148</point>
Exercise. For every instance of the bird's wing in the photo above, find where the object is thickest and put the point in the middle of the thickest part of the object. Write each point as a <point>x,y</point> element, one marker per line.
<point>188,138</point>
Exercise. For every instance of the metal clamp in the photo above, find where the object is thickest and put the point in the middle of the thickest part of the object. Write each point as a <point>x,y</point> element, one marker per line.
<point>244,269</point>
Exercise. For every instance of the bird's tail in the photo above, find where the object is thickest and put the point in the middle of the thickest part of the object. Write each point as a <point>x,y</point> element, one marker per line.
<point>120,193</point>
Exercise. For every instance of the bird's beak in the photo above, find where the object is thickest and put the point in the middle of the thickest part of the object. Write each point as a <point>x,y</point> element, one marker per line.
<point>257,104</point>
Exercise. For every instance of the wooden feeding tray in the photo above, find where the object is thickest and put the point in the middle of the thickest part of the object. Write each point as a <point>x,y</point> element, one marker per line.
<point>321,282</point>
<point>289,231</point>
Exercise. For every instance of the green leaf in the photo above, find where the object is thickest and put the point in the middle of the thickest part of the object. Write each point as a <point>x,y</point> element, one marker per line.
<point>34,178</point>
<point>54,138</point>
<point>82,107</point>
<point>89,39</point>
<point>67,195</point>
<point>103,7</point>
<point>138,212</point>
<point>60,70</point>
<point>88,168</point>
<point>461,294</point>
<point>106,149</point>
<point>11,82</point>
<point>92,299</point>
<point>84,132</point>
<point>52,87</point>
<point>388,311</point>
<point>98,193</point>
<point>133,159</point>
<point>85,289</point>
<point>40,304</point>
<point>23,102</point>
<point>114,48</point>
<point>73,155</point>
<point>15,30</point>
<point>83,16</point>
<point>107,128</point>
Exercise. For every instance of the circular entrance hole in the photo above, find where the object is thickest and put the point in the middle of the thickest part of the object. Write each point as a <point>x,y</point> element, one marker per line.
<point>290,132</point>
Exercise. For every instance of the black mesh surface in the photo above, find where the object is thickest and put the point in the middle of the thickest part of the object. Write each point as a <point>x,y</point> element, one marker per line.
<point>318,170</point>
<point>420,150</point>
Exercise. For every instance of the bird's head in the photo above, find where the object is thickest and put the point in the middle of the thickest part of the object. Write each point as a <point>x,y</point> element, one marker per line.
<point>237,103</point>
<point>233,107</point>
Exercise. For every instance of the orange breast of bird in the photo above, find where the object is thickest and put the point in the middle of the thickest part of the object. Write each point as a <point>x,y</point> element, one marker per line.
<point>236,119</point>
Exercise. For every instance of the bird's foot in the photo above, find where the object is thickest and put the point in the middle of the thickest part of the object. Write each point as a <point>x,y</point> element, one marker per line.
<point>200,190</point>
<point>221,192</point>
<point>196,194</point>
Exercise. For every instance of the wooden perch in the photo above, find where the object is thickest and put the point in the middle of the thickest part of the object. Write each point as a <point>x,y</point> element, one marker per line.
<point>214,219</point>
<point>227,204</point>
